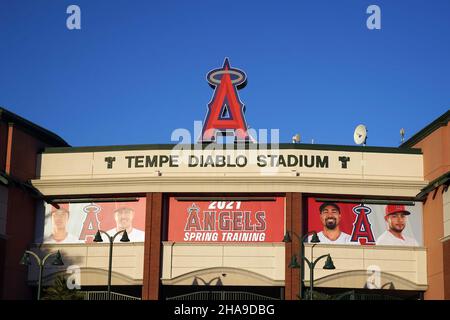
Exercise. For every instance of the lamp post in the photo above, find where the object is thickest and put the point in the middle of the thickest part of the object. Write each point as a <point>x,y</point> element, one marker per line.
<point>329,265</point>
<point>41,262</point>
<point>98,238</point>
<point>311,264</point>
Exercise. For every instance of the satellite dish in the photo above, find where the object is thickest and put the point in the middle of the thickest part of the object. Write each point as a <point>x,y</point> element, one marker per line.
<point>296,138</point>
<point>360,134</point>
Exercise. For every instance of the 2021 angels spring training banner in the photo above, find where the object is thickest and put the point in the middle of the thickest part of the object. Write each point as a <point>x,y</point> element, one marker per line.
<point>369,224</point>
<point>226,221</point>
<point>79,222</point>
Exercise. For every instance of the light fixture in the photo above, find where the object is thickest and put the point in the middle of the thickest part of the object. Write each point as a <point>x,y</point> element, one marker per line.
<point>314,238</point>
<point>329,265</point>
<point>287,238</point>
<point>125,237</point>
<point>294,264</point>
<point>98,237</point>
<point>58,260</point>
<point>25,261</point>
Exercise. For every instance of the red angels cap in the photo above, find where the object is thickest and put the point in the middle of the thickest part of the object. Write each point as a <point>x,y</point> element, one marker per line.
<point>394,208</point>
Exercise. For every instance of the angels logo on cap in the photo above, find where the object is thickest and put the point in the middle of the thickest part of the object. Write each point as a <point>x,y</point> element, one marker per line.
<point>395,208</point>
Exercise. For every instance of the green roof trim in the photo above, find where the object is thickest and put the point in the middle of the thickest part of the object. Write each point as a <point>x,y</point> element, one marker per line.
<point>35,130</point>
<point>321,147</point>
<point>443,179</point>
<point>10,180</point>
<point>442,121</point>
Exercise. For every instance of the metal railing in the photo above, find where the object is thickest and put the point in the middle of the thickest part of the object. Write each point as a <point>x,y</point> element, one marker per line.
<point>221,295</point>
<point>352,295</point>
<point>103,295</point>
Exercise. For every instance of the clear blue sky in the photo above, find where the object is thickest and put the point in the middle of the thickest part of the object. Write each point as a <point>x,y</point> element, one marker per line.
<point>136,69</point>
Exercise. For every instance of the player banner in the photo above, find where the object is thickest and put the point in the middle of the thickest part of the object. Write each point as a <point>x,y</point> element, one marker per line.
<point>369,224</point>
<point>226,221</point>
<point>79,222</point>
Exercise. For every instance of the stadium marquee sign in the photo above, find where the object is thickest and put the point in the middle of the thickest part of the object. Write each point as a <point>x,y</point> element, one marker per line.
<point>226,161</point>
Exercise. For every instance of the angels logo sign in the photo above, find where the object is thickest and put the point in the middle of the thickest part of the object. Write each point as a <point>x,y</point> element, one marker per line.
<point>226,221</point>
<point>225,111</point>
<point>362,229</point>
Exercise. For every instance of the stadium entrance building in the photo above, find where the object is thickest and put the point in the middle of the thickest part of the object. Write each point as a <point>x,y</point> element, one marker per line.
<point>223,227</point>
<point>218,221</point>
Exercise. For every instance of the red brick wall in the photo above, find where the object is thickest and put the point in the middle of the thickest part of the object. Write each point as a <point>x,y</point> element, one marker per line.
<point>446,250</point>
<point>3,144</point>
<point>20,234</point>
<point>436,153</point>
<point>3,147</point>
<point>433,231</point>
<point>24,154</point>
<point>436,162</point>
<point>2,261</point>
<point>293,223</point>
<point>20,221</point>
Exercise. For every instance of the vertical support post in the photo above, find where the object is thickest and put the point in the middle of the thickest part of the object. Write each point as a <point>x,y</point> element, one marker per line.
<point>311,281</point>
<point>41,269</point>
<point>110,267</point>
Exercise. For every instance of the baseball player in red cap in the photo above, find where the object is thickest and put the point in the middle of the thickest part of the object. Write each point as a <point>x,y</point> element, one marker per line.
<point>124,220</point>
<point>396,218</point>
<point>60,222</point>
<point>330,216</point>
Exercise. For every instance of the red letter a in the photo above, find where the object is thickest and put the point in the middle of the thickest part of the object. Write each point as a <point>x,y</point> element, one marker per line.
<point>90,224</point>
<point>225,111</point>
<point>362,230</point>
